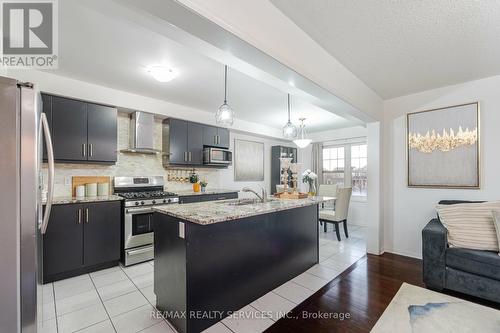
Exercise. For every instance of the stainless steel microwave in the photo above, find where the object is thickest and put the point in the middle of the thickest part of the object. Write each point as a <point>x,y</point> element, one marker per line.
<point>217,156</point>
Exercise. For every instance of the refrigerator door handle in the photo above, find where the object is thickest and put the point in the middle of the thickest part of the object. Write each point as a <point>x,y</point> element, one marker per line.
<point>50,160</point>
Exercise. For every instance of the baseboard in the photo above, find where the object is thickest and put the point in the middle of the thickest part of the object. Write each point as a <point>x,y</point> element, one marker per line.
<point>349,223</point>
<point>79,271</point>
<point>405,253</point>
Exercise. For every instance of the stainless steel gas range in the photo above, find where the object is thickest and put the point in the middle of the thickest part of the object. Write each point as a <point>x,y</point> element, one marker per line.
<point>141,194</point>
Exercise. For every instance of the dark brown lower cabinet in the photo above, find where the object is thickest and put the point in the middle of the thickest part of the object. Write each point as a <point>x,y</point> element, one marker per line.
<point>81,238</point>
<point>101,233</point>
<point>63,241</point>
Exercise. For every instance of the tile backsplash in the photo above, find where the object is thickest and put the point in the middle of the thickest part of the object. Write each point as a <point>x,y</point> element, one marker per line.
<point>127,165</point>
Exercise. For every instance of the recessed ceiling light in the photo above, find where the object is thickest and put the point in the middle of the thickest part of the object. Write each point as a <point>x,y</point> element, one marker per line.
<point>162,73</point>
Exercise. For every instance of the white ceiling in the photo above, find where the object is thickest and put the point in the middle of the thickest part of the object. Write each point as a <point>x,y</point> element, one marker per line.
<point>399,47</point>
<point>114,52</point>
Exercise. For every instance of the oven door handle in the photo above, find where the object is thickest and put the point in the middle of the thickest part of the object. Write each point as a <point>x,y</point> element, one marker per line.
<point>138,210</point>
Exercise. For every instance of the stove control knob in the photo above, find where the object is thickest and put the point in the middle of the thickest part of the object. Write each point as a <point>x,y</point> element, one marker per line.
<point>169,200</point>
<point>153,202</point>
<point>164,200</point>
<point>142,202</point>
<point>137,203</point>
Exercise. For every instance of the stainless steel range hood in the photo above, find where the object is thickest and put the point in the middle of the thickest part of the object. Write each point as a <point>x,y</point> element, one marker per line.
<point>141,134</point>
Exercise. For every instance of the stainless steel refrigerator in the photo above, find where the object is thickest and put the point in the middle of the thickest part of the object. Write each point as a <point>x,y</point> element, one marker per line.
<point>22,126</point>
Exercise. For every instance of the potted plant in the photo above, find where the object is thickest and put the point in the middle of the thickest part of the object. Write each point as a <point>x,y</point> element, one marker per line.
<point>193,179</point>
<point>310,177</point>
<point>203,185</point>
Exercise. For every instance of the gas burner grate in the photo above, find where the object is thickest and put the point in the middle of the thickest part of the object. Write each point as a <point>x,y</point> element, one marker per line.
<point>146,194</point>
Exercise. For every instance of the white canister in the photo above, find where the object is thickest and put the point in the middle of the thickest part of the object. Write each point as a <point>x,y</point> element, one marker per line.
<point>91,190</point>
<point>103,189</point>
<point>80,191</point>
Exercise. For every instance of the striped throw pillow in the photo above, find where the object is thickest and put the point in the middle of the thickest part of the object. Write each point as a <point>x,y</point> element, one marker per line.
<point>470,225</point>
<point>496,219</point>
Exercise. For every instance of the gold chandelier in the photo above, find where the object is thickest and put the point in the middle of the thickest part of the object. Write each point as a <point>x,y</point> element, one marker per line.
<point>443,142</point>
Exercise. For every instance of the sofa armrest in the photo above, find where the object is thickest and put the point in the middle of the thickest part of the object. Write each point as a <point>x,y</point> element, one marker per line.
<point>434,245</point>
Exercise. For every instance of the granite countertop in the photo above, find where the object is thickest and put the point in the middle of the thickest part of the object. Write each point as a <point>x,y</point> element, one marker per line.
<point>71,200</point>
<point>221,211</point>
<point>183,193</point>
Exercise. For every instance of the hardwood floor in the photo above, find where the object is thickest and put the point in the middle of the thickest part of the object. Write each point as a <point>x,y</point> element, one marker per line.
<point>363,292</point>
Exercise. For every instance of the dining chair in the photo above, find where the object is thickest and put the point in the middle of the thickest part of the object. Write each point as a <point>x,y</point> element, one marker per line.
<point>327,190</point>
<point>339,214</point>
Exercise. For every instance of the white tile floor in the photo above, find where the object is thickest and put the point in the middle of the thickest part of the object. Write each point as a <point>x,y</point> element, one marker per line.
<point>121,299</point>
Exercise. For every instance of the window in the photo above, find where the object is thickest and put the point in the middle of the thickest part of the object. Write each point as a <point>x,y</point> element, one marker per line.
<point>359,161</point>
<point>333,165</point>
<point>346,165</point>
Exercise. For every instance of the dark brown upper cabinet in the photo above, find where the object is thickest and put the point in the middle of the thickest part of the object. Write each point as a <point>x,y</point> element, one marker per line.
<point>81,131</point>
<point>102,133</point>
<point>182,142</point>
<point>215,137</point>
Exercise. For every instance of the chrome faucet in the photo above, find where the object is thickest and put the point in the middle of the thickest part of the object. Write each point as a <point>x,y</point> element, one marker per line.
<point>262,197</point>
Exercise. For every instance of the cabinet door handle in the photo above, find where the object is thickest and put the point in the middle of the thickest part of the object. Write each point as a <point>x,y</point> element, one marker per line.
<point>91,149</point>
<point>190,156</point>
<point>218,139</point>
<point>84,149</point>
<point>79,216</point>
<point>185,156</point>
<point>215,139</point>
<point>86,215</point>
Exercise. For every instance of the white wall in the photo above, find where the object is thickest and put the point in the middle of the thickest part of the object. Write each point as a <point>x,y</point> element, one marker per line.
<point>340,134</point>
<point>407,210</point>
<point>374,210</point>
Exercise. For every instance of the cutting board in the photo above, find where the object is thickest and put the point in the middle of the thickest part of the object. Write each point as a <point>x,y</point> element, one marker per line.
<point>82,180</point>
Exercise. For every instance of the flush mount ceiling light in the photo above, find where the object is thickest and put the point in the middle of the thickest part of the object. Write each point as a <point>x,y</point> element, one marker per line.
<point>162,73</point>
<point>289,130</point>
<point>302,140</point>
<point>225,114</point>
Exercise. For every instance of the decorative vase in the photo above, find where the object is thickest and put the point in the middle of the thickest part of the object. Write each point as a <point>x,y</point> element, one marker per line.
<point>203,188</point>
<point>196,187</point>
<point>312,189</point>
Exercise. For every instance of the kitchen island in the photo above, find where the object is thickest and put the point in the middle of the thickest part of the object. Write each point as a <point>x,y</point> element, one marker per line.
<point>212,258</point>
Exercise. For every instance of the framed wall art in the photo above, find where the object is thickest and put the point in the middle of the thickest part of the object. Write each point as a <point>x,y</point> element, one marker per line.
<point>443,147</point>
<point>248,161</point>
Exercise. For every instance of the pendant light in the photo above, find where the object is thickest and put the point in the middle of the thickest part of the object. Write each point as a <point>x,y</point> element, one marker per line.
<point>289,130</point>
<point>225,114</point>
<point>301,140</point>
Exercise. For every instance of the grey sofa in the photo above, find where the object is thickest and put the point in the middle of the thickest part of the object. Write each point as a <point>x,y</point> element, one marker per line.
<point>471,272</point>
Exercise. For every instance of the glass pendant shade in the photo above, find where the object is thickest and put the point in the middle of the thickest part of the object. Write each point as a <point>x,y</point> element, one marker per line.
<point>302,141</point>
<point>289,130</point>
<point>225,114</point>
